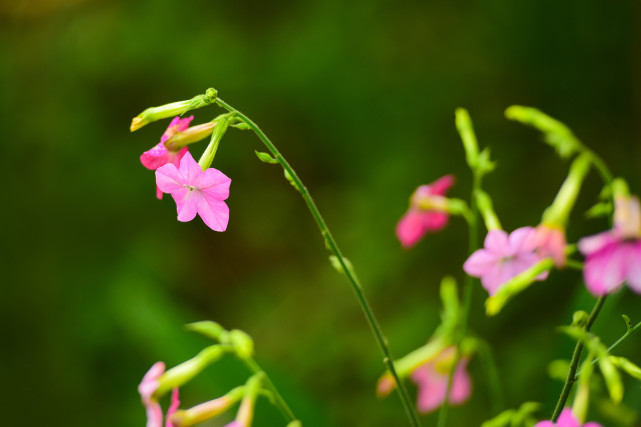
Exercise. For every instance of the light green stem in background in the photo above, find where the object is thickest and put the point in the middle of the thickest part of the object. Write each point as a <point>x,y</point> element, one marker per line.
<point>485,207</point>
<point>333,247</point>
<point>559,210</point>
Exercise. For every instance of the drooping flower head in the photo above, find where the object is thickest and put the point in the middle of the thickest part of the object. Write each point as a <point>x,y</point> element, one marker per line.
<point>614,256</point>
<point>432,379</point>
<point>159,155</point>
<point>566,419</point>
<point>417,221</point>
<point>196,191</point>
<point>550,242</point>
<point>503,257</point>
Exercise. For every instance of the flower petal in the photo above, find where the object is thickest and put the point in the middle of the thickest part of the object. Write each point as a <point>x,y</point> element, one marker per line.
<point>496,242</point>
<point>186,204</point>
<point>410,228</point>
<point>433,221</point>
<point>633,266</point>
<point>214,182</point>
<point>521,240</point>
<point>441,185</point>
<point>154,414</point>
<point>190,170</point>
<point>431,387</point>
<point>461,384</point>
<point>175,403</point>
<point>604,271</point>
<point>480,262</point>
<point>156,157</point>
<point>567,419</point>
<point>592,244</point>
<point>214,212</point>
<point>169,179</point>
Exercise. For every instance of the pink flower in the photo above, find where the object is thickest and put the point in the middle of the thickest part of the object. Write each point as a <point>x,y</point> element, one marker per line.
<point>503,258</point>
<point>159,155</point>
<point>566,419</point>
<point>614,256</point>
<point>550,242</point>
<point>196,191</point>
<point>147,387</point>
<point>417,222</point>
<point>432,378</point>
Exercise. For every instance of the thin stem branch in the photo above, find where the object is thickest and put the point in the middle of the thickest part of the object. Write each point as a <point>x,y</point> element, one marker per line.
<point>333,247</point>
<point>574,363</point>
<point>278,399</point>
<point>618,342</point>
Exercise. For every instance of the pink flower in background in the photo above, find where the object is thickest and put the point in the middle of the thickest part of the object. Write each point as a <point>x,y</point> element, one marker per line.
<point>196,192</point>
<point>614,256</point>
<point>417,222</point>
<point>147,387</point>
<point>432,379</point>
<point>550,242</point>
<point>566,419</point>
<point>159,155</point>
<point>503,257</point>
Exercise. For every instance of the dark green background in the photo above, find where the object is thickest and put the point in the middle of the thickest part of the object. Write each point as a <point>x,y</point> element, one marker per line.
<point>359,96</point>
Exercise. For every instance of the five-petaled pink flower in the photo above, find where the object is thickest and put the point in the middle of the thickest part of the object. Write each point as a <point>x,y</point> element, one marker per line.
<point>159,155</point>
<point>614,256</point>
<point>503,258</point>
<point>566,419</point>
<point>417,221</point>
<point>147,387</point>
<point>196,191</point>
<point>432,379</point>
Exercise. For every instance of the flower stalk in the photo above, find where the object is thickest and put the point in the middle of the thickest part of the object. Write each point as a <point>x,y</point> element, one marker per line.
<point>333,247</point>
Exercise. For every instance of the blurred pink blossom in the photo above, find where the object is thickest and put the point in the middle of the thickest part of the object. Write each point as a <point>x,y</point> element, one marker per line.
<point>417,222</point>
<point>196,192</point>
<point>614,256</point>
<point>566,419</point>
<point>159,155</point>
<point>550,242</point>
<point>432,379</point>
<point>503,257</point>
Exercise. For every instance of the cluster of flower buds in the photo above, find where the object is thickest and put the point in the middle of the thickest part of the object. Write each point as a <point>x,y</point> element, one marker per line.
<point>157,382</point>
<point>196,188</point>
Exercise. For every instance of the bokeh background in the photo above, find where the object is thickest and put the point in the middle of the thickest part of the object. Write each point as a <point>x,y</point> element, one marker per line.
<point>99,277</point>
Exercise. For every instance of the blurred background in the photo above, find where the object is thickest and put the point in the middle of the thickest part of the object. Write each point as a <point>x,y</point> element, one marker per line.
<point>99,277</point>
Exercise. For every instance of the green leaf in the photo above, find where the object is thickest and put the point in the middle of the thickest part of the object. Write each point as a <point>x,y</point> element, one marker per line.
<point>599,210</point>
<point>265,158</point>
<point>627,366</point>
<point>241,126</point>
<point>333,259</point>
<point>558,369</point>
<point>289,178</point>
<point>628,322</point>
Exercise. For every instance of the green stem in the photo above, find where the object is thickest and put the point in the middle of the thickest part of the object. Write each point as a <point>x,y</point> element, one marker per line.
<point>492,376</point>
<point>333,247</point>
<point>267,382</point>
<point>574,363</point>
<point>473,243</point>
